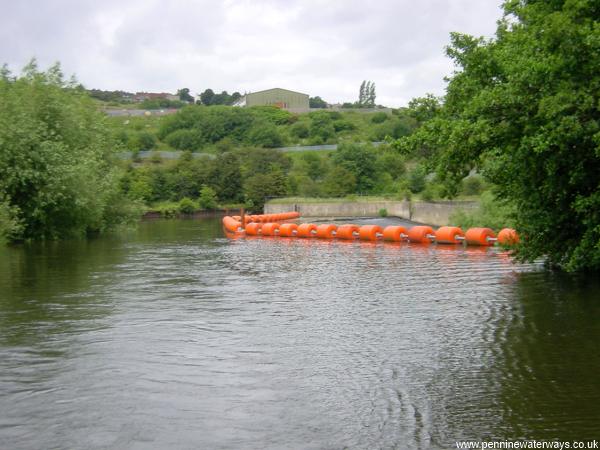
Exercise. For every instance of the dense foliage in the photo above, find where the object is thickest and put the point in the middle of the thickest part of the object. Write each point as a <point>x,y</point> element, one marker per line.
<point>524,109</point>
<point>56,174</point>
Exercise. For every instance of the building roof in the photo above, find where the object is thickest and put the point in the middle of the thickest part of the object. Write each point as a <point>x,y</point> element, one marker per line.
<point>276,88</point>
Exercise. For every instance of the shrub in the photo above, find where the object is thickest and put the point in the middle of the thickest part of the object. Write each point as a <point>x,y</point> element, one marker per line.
<point>187,206</point>
<point>300,130</point>
<point>379,117</point>
<point>185,139</point>
<point>416,179</point>
<point>343,125</point>
<point>208,198</point>
<point>472,185</point>
<point>492,213</point>
<point>266,135</point>
<point>383,212</point>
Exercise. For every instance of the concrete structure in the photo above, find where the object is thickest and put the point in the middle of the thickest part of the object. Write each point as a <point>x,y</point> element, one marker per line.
<point>282,98</point>
<point>432,213</point>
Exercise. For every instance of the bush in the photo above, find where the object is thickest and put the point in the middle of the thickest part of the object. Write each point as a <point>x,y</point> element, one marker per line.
<point>185,139</point>
<point>416,179</point>
<point>10,227</point>
<point>266,135</point>
<point>300,130</point>
<point>343,125</point>
<point>187,206</point>
<point>383,212</point>
<point>208,198</point>
<point>56,167</point>
<point>146,141</point>
<point>492,213</point>
<point>472,185</point>
<point>379,117</point>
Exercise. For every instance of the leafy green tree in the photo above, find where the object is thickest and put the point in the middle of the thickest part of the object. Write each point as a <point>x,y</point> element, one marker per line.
<point>339,182</point>
<point>317,102</point>
<point>207,97</point>
<point>261,186</point>
<point>379,117</point>
<point>57,172</point>
<point>424,108</point>
<point>185,96</point>
<point>187,206</point>
<point>265,135</point>
<point>524,108</point>
<point>226,178</point>
<point>300,130</point>
<point>208,198</point>
<point>359,160</point>
<point>416,179</point>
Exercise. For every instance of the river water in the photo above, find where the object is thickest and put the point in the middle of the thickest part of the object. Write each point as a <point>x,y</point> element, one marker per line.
<point>175,337</point>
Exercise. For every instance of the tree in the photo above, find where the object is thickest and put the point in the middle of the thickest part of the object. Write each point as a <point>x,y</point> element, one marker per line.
<point>208,198</point>
<point>524,108</point>
<point>425,108</point>
<point>184,95</point>
<point>317,102</point>
<point>57,173</point>
<point>207,97</point>
<point>362,92</point>
<point>359,160</point>
<point>366,95</point>
<point>371,95</point>
<point>260,186</point>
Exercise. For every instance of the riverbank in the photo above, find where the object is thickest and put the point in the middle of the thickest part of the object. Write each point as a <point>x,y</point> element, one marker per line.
<point>433,213</point>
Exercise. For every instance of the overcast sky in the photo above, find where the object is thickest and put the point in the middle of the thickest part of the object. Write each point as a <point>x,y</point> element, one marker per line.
<point>320,47</point>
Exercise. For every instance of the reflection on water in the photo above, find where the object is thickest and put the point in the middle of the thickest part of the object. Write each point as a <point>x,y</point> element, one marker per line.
<point>176,337</point>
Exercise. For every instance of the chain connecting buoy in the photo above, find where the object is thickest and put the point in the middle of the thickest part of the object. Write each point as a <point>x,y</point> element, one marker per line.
<point>449,235</point>
<point>347,231</point>
<point>480,236</point>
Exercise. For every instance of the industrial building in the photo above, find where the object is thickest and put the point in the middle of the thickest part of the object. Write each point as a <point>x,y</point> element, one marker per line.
<point>281,98</point>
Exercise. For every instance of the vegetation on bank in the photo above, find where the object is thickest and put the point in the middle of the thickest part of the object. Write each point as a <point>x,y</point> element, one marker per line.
<point>523,108</point>
<point>57,173</point>
<point>211,129</point>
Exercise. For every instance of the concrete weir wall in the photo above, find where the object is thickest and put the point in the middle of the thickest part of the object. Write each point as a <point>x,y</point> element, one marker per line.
<point>432,213</point>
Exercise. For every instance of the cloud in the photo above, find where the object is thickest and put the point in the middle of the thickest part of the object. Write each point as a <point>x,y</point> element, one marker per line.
<point>319,47</point>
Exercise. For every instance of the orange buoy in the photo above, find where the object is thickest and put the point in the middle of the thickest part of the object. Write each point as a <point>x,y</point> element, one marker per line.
<point>231,224</point>
<point>422,234</point>
<point>288,229</point>
<point>253,229</point>
<point>326,231</point>
<point>508,236</point>
<point>270,229</point>
<point>394,233</point>
<point>347,231</point>
<point>480,236</point>
<point>307,230</point>
<point>370,232</point>
<point>449,235</point>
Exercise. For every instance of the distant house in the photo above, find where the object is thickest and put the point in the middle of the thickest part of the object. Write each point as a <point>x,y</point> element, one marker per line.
<point>141,96</point>
<point>281,98</point>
